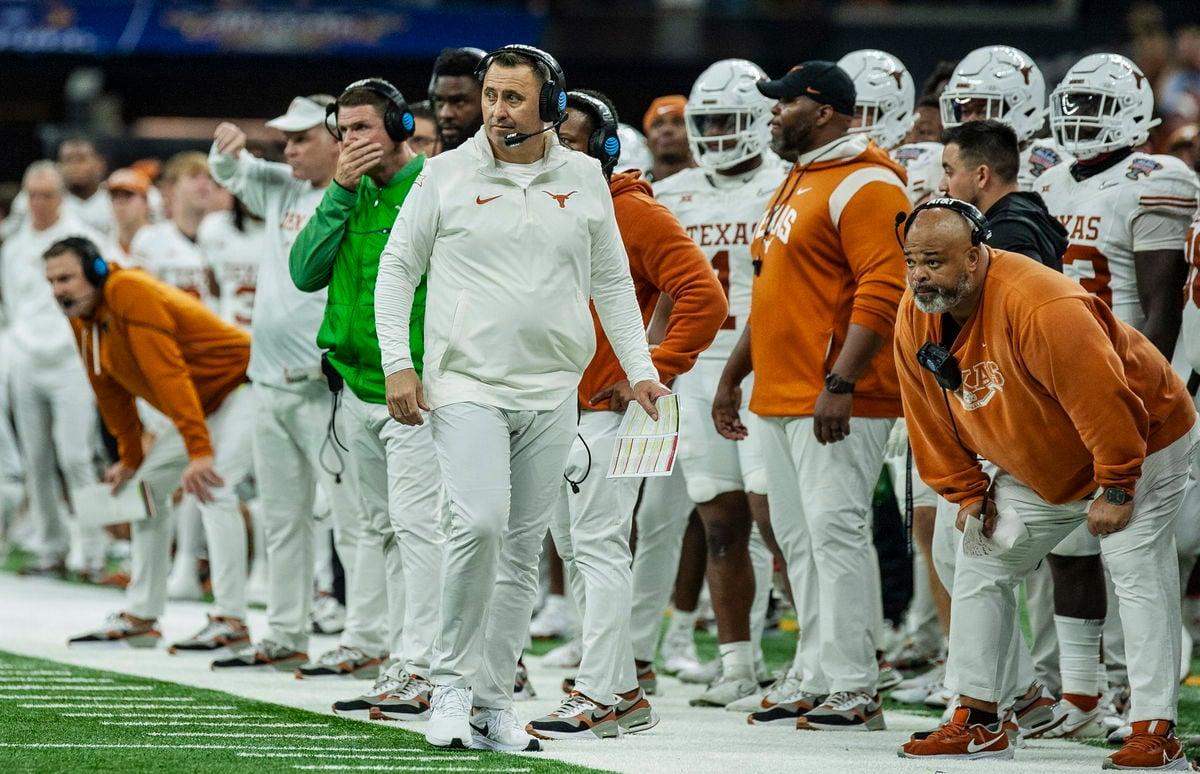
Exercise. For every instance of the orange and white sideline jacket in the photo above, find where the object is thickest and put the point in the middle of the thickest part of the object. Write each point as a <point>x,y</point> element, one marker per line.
<point>1056,390</point>
<point>149,340</point>
<point>828,258</point>
<point>662,259</point>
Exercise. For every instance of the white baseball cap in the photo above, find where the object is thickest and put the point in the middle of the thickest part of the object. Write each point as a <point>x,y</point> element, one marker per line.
<point>301,115</point>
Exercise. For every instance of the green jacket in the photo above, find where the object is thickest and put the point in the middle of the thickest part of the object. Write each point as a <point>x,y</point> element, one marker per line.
<point>339,248</point>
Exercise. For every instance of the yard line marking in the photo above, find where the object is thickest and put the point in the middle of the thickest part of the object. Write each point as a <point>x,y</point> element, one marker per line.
<point>73,680</point>
<point>116,700</point>
<point>175,712</point>
<point>215,725</point>
<point>231,735</point>
<point>62,672</point>
<point>91,702</point>
<point>387,756</point>
<point>77,687</point>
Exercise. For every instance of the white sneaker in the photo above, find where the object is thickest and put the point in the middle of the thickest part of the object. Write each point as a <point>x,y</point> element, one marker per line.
<point>566,656</point>
<point>551,620</point>
<point>889,677</point>
<point>328,615</point>
<point>1072,722</point>
<point>941,697</point>
<point>708,672</point>
<point>499,729</point>
<point>725,691</point>
<point>679,652</point>
<point>784,687</point>
<point>450,718</point>
<point>1119,735</point>
<point>915,690</point>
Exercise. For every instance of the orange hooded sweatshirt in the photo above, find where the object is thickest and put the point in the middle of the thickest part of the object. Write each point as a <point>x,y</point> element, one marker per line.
<point>662,259</point>
<point>1055,390</point>
<point>149,340</point>
<point>827,256</point>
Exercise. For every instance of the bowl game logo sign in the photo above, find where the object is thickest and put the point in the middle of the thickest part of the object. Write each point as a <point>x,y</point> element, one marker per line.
<point>1042,158</point>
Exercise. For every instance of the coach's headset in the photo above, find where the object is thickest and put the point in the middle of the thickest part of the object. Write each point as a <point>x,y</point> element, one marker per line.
<point>95,268</point>
<point>604,143</point>
<point>934,357</point>
<point>398,120</point>
<point>552,99</point>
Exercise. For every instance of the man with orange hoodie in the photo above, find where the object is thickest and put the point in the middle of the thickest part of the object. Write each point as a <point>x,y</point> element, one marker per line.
<point>829,275</point>
<point>591,523</point>
<point>142,338</point>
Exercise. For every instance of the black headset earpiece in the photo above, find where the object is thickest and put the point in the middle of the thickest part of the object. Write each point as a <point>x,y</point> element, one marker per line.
<point>980,230</point>
<point>95,268</point>
<point>604,143</point>
<point>552,100</point>
<point>398,120</point>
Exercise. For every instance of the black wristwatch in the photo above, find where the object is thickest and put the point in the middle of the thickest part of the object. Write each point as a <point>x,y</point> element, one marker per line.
<point>1116,496</point>
<point>837,385</point>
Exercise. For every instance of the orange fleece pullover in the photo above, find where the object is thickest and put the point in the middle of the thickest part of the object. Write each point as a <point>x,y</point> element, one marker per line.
<point>827,257</point>
<point>1056,390</point>
<point>149,340</point>
<point>662,259</point>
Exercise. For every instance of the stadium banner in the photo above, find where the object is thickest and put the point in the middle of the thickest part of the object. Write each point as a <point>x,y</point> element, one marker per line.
<point>342,29</point>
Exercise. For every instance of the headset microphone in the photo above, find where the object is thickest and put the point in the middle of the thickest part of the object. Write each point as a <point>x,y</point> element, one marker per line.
<point>516,138</point>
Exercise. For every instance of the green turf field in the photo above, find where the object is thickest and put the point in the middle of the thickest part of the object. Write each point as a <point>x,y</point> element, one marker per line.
<point>62,718</point>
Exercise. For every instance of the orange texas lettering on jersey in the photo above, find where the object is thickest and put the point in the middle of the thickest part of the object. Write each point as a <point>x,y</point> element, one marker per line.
<point>1080,227</point>
<point>720,234</point>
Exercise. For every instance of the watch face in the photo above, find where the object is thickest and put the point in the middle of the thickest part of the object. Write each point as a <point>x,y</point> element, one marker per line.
<point>1116,496</point>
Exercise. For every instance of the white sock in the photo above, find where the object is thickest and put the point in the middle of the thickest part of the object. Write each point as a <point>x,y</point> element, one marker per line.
<point>737,659</point>
<point>1079,654</point>
<point>683,620</point>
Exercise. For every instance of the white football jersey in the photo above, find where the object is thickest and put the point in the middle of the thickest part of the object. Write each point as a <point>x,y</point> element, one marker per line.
<point>1142,203</point>
<point>1042,155</point>
<point>234,257</point>
<point>164,251</point>
<point>1191,300</point>
<point>720,214</point>
<point>922,162</point>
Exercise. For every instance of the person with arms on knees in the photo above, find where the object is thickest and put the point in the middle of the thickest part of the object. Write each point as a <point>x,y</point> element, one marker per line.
<point>827,280</point>
<point>980,352</point>
<point>395,467</point>
<point>517,233</point>
<point>142,338</point>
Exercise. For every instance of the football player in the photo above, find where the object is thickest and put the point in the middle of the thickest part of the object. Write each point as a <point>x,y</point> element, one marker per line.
<point>1127,216</point>
<point>719,202</point>
<point>1005,84</point>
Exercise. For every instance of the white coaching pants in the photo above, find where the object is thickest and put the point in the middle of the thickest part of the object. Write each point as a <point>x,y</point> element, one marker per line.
<point>292,458</point>
<point>820,499</point>
<point>1141,559</point>
<point>502,471</point>
<point>54,410</point>
<point>229,430</point>
<point>399,559</point>
<point>591,532</point>
<point>662,518</point>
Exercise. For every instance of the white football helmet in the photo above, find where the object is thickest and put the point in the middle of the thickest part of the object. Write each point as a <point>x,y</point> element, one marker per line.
<point>728,119</point>
<point>1103,103</point>
<point>1008,83</point>
<point>635,154</point>
<point>885,95</point>
<point>922,162</point>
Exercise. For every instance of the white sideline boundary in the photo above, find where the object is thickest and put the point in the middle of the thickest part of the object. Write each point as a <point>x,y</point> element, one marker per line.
<point>41,615</point>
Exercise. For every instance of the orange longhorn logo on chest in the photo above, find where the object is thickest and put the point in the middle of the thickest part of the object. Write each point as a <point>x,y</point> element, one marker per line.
<point>560,198</point>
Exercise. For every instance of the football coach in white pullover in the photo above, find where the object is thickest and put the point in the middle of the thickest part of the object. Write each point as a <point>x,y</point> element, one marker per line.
<point>516,233</point>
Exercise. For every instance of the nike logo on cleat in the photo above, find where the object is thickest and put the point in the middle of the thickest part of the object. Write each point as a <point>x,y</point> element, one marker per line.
<point>972,747</point>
